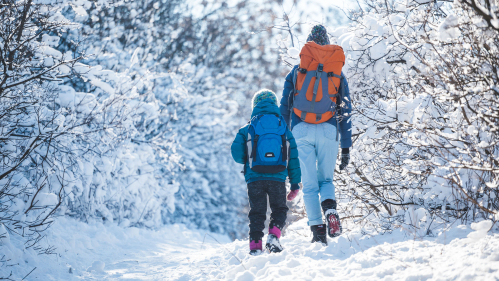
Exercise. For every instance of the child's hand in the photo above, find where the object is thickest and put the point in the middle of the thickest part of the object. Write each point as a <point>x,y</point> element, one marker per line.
<point>292,194</point>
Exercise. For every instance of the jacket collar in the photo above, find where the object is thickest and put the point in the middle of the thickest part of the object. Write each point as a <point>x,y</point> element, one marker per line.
<point>265,107</point>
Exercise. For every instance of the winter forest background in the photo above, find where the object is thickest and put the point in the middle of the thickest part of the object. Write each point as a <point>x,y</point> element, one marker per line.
<point>123,111</point>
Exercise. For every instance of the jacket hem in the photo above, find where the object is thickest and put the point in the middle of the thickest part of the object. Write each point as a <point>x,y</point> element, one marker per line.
<point>264,179</point>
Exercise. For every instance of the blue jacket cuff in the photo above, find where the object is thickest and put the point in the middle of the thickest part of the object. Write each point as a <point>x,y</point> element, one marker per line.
<point>295,186</point>
<point>346,143</point>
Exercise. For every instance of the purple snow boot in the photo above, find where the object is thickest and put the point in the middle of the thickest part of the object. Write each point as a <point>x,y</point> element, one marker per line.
<point>255,247</point>
<point>273,244</point>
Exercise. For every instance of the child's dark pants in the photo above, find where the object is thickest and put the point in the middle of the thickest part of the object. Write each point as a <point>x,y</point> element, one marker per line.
<point>257,193</point>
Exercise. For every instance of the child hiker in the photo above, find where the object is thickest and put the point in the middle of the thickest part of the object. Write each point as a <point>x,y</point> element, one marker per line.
<point>268,151</point>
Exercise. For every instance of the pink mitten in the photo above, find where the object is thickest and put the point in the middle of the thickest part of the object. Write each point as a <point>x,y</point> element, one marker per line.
<point>292,194</point>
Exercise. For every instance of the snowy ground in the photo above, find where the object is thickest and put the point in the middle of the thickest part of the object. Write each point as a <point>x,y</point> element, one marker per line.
<point>98,252</point>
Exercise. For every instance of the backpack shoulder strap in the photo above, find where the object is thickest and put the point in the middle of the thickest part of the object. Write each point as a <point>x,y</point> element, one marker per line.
<point>254,120</point>
<point>291,97</point>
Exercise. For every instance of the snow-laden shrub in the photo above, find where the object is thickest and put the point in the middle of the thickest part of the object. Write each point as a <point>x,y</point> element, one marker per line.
<point>423,79</point>
<point>189,72</point>
<point>110,109</point>
<point>182,77</point>
<point>424,84</point>
<point>51,130</point>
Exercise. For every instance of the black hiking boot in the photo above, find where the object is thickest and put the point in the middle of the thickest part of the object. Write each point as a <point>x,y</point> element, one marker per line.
<point>319,232</point>
<point>333,223</point>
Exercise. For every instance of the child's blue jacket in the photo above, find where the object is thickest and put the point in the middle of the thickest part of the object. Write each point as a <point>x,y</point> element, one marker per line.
<point>238,150</point>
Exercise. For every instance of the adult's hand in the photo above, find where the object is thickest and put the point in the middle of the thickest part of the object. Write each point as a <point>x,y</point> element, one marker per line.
<point>345,158</point>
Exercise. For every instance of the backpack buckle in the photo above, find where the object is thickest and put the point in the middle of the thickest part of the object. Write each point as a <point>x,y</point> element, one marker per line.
<point>320,67</point>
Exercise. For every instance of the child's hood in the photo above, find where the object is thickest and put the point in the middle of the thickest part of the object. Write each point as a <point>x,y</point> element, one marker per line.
<point>266,107</point>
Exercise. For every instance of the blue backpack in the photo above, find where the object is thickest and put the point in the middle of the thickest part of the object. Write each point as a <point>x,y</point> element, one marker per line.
<point>267,145</point>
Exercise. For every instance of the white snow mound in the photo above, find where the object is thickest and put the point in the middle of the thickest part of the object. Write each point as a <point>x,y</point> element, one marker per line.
<point>109,252</point>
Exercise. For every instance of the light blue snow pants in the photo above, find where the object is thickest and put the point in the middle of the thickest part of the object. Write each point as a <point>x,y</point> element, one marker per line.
<point>317,152</point>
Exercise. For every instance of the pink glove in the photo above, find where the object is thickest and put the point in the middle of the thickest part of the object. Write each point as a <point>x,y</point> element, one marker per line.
<point>292,194</point>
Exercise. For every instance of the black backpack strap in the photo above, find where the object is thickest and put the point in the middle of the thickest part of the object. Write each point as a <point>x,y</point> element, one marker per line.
<point>253,152</point>
<point>302,70</point>
<point>331,74</point>
<point>284,151</point>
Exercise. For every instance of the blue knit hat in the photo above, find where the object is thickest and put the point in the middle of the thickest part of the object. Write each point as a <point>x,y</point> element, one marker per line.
<point>318,34</point>
<point>262,95</point>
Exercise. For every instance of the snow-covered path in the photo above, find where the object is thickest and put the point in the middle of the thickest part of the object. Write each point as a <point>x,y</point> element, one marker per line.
<point>353,257</point>
<point>98,252</point>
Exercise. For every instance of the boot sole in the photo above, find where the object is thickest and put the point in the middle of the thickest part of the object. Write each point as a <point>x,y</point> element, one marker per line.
<point>257,253</point>
<point>273,249</point>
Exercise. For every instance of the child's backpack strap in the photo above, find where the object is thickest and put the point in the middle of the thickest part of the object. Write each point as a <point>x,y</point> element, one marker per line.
<point>251,140</point>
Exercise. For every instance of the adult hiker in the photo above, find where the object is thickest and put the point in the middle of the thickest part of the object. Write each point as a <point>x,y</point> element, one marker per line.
<point>316,103</point>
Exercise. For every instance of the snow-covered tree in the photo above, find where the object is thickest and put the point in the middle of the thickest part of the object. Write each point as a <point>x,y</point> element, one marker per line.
<point>192,69</point>
<point>424,81</point>
<point>46,126</point>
